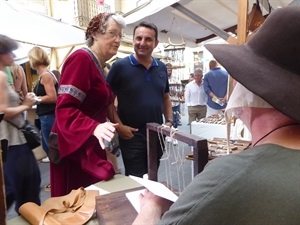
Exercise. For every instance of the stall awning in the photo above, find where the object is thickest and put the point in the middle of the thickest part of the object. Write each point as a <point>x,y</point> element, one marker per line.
<point>174,24</point>
<point>31,27</point>
<point>147,9</point>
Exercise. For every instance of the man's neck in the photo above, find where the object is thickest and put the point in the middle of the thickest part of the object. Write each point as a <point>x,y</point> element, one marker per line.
<point>198,82</point>
<point>146,61</point>
<point>283,131</point>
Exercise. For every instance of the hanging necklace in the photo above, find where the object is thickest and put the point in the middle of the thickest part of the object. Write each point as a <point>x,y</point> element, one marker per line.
<point>98,59</point>
<point>270,132</point>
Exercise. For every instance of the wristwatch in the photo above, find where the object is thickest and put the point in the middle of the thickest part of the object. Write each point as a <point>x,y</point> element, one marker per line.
<point>169,121</point>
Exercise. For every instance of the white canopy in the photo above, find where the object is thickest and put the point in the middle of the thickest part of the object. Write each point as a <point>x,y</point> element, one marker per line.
<point>21,53</point>
<point>31,27</point>
<point>175,25</point>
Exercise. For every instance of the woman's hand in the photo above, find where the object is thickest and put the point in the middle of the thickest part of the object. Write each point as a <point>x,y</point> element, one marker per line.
<point>105,131</point>
<point>29,100</point>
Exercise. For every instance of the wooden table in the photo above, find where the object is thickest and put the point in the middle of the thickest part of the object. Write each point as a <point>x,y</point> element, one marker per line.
<point>113,189</point>
<point>115,208</point>
<point>208,130</point>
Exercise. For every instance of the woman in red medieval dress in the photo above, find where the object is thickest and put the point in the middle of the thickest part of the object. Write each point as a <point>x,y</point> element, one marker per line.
<point>84,102</point>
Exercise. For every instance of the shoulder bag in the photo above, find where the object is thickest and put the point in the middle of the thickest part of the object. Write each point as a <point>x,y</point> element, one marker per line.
<point>31,133</point>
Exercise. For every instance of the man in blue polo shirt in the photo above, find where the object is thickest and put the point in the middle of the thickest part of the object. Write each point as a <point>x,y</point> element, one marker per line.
<point>215,84</point>
<point>140,83</point>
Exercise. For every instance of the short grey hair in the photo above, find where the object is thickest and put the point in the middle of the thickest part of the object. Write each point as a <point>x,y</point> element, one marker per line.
<point>119,20</point>
<point>198,70</point>
<point>98,24</point>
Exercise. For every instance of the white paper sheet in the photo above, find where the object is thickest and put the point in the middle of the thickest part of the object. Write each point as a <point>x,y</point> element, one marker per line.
<point>155,187</point>
<point>94,187</point>
<point>133,197</point>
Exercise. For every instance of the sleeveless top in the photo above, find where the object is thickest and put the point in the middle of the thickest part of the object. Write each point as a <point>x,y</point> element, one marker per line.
<point>8,131</point>
<point>39,90</point>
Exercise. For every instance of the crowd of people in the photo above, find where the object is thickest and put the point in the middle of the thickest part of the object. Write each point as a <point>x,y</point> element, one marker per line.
<point>88,105</point>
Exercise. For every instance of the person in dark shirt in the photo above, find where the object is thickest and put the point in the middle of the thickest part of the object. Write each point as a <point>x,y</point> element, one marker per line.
<point>46,90</point>
<point>140,83</point>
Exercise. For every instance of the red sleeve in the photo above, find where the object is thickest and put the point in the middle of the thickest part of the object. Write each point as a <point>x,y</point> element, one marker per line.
<point>74,123</point>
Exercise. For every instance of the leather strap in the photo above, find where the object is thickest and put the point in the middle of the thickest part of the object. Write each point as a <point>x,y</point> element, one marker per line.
<point>76,208</point>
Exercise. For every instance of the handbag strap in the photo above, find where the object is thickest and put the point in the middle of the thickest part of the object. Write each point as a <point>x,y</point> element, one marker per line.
<point>11,123</point>
<point>38,83</point>
<point>53,76</point>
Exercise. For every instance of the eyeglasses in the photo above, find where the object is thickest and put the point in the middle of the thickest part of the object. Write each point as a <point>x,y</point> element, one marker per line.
<point>114,35</point>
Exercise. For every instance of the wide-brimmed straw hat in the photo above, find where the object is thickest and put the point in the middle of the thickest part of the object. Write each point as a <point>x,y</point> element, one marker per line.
<point>268,64</point>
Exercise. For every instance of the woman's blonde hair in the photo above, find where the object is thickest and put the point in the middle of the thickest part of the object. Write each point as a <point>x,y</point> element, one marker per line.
<point>38,56</point>
<point>14,71</point>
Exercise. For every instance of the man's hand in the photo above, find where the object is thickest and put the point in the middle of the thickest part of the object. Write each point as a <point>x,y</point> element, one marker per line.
<point>223,100</point>
<point>169,124</point>
<point>152,208</point>
<point>149,198</point>
<point>126,132</point>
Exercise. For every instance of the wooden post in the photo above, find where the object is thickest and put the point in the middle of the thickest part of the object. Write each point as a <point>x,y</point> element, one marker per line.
<point>28,76</point>
<point>50,8</point>
<point>242,21</point>
<point>2,186</point>
<point>2,194</point>
<point>152,154</point>
<point>241,33</point>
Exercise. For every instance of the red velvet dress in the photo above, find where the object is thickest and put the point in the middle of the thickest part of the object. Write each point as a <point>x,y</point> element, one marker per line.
<point>84,97</point>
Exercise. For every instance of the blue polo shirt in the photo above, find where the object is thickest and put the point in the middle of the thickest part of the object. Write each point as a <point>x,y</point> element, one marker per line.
<point>140,91</point>
<point>216,81</point>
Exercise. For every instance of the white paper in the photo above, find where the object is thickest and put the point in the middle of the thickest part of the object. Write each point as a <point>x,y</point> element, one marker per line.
<point>94,187</point>
<point>133,197</point>
<point>156,188</point>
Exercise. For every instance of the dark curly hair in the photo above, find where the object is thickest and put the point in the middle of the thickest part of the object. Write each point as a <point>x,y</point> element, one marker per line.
<point>7,44</point>
<point>98,24</point>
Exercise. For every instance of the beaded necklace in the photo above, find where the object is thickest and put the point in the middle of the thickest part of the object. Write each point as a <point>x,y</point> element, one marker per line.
<point>270,132</point>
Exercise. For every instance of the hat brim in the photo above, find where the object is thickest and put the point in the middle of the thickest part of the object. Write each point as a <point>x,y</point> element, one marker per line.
<point>276,85</point>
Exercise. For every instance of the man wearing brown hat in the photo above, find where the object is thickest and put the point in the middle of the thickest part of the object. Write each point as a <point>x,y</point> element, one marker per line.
<point>260,185</point>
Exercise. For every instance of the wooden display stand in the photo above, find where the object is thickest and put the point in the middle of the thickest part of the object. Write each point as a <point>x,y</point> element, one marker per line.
<point>199,145</point>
